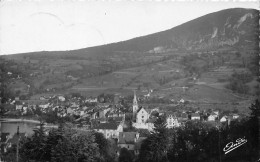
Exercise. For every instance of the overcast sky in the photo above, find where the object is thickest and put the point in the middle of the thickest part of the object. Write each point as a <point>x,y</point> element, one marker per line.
<point>46,26</point>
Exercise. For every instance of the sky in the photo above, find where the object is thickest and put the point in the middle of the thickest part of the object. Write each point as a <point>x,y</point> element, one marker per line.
<point>34,25</point>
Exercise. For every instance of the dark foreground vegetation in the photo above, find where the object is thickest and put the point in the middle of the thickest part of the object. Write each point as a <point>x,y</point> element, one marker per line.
<point>195,142</point>
<point>200,142</point>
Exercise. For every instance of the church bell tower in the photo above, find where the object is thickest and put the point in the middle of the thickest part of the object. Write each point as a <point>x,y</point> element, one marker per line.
<point>135,105</point>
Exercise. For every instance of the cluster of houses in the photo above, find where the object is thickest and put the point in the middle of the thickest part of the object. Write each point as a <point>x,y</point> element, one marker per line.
<point>143,122</point>
<point>112,122</point>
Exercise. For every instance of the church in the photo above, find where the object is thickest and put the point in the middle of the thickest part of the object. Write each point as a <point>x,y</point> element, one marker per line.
<point>140,116</point>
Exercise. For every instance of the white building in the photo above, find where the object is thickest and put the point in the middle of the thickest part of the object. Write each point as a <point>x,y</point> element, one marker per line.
<point>110,130</point>
<point>211,118</point>
<point>224,119</point>
<point>141,116</point>
<point>235,116</point>
<point>195,116</point>
<point>172,121</point>
<point>61,98</point>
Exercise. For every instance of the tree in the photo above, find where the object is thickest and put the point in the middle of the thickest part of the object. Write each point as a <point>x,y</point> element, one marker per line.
<point>76,146</point>
<point>125,155</point>
<point>34,148</point>
<point>253,125</point>
<point>107,153</point>
<point>154,148</point>
<point>62,144</point>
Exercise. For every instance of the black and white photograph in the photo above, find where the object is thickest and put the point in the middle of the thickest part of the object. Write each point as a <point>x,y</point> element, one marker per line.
<point>129,81</point>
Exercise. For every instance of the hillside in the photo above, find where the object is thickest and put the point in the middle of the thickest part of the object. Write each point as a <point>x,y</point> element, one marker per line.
<point>201,55</point>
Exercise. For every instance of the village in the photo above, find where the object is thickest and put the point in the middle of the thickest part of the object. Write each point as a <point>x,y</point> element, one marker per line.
<point>127,127</point>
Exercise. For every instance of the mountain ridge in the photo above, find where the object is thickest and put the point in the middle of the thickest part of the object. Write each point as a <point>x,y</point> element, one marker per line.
<point>191,35</point>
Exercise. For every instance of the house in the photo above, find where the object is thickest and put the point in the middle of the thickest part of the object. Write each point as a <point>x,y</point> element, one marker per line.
<point>82,113</point>
<point>216,112</point>
<point>91,100</point>
<point>172,121</point>
<point>25,109</point>
<point>235,116</point>
<point>74,105</point>
<point>70,110</point>
<point>103,120</point>
<point>195,116</point>
<point>224,118</point>
<point>110,130</point>
<point>197,111</point>
<point>61,98</point>
<point>105,112</point>
<point>182,100</point>
<point>184,116</point>
<point>18,106</point>
<point>44,106</point>
<point>131,141</point>
<point>212,117</point>
<point>127,140</point>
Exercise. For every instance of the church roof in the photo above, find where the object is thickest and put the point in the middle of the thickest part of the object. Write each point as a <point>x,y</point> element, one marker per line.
<point>141,109</point>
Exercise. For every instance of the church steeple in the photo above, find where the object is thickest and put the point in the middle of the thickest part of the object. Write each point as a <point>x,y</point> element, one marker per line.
<point>135,104</point>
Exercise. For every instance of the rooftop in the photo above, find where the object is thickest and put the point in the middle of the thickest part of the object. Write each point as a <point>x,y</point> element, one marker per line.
<point>127,137</point>
<point>111,126</point>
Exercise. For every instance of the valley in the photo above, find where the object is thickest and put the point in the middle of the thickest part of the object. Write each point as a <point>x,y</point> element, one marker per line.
<point>193,61</point>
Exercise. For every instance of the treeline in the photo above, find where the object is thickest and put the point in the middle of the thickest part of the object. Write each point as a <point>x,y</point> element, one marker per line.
<point>64,144</point>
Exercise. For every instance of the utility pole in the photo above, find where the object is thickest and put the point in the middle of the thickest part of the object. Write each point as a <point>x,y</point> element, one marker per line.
<point>17,146</point>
